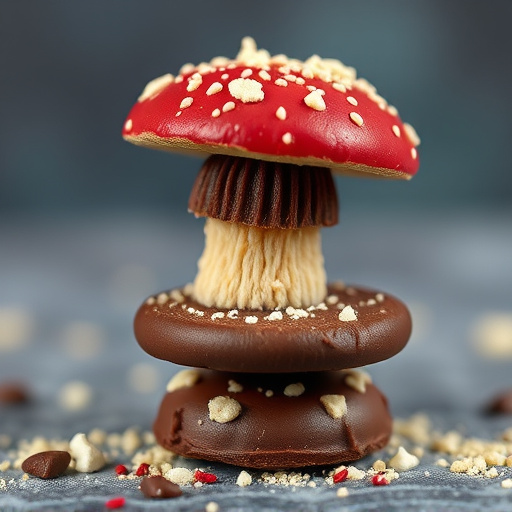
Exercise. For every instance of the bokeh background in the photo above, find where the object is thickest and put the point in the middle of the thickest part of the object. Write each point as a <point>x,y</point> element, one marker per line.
<point>90,225</point>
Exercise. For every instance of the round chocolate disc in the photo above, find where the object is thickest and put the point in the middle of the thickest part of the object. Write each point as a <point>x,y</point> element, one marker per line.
<point>353,327</point>
<point>274,421</point>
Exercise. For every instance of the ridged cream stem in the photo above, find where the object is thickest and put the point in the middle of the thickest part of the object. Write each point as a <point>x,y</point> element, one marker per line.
<point>247,267</point>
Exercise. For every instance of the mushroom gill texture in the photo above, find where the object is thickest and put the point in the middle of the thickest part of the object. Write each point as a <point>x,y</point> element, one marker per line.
<point>247,267</point>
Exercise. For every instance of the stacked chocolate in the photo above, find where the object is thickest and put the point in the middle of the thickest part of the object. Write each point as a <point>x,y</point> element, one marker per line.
<point>276,344</point>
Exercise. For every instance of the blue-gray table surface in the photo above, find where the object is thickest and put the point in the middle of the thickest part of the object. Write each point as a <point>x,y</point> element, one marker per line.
<point>451,269</point>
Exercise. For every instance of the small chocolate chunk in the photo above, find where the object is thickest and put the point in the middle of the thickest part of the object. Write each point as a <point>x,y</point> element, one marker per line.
<point>159,487</point>
<point>501,403</point>
<point>264,194</point>
<point>47,464</point>
<point>13,393</point>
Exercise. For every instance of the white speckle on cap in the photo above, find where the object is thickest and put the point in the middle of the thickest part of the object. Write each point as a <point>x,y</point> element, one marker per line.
<point>216,113</point>
<point>251,319</point>
<point>315,101</point>
<point>339,87</point>
<point>379,297</point>
<point>281,113</point>
<point>246,73</point>
<point>281,82</point>
<point>287,138</point>
<point>300,81</point>
<point>246,90</point>
<point>162,298</point>
<point>186,102</point>
<point>392,110</point>
<point>156,86</point>
<point>233,314</point>
<point>356,118</point>
<point>347,314</point>
<point>411,134</point>
<point>352,100</point>
<point>225,76</point>
<point>128,125</point>
<point>214,88</point>
<point>150,301</point>
<point>218,314</point>
<point>178,114</point>
<point>194,82</point>
<point>264,75</point>
<point>230,105</point>
<point>332,299</point>
<point>290,78</point>
<point>396,130</point>
<point>414,153</point>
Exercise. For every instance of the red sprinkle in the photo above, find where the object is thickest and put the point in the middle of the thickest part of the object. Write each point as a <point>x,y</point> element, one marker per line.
<point>121,469</point>
<point>379,479</point>
<point>142,470</point>
<point>205,478</point>
<point>115,503</point>
<point>340,476</point>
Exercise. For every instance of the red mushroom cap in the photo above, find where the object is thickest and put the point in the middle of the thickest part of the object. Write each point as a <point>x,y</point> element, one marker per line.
<point>279,109</point>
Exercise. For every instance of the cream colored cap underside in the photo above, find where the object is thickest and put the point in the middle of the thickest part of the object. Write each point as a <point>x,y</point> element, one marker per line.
<point>185,146</point>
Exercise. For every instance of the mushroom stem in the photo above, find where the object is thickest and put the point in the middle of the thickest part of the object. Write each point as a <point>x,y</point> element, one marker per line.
<point>248,267</point>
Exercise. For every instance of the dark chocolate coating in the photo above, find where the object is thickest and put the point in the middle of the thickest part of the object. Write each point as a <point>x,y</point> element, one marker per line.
<point>50,464</point>
<point>264,194</point>
<point>274,432</point>
<point>180,335</point>
<point>160,488</point>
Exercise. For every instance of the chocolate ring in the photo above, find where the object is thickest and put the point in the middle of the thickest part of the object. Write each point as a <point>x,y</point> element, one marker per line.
<point>353,327</point>
<point>271,429</point>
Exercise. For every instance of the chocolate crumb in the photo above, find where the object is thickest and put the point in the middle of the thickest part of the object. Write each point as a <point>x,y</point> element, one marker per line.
<point>158,487</point>
<point>47,465</point>
<point>12,393</point>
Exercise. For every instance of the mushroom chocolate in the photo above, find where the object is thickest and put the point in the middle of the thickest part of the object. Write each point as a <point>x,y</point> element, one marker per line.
<point>274,348</point>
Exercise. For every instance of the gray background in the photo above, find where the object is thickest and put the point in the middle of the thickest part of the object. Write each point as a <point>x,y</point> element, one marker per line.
<point>90,225</point>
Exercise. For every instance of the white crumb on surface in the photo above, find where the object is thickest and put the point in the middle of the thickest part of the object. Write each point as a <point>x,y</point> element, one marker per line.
<point>234,387</point>
<point>335,405</point>
<point>186,102</point>
<point>281,113</point>
<point>347,314</point>
<point>180,476</point>
<point>217,315</point>
<point>183,379</point>
<point>287,138</point>
<point>17,327</point>
<point>275,315</point>
<point>233,313</point>
<point>244,479</point>
<point>403,460</point>
<point>87,457</point>
<point>82,340</point>
<point>357,379</point>
<point>251,319</point>
<point>143,378</point>
<point>223,409</point>
<point>75,396</point>
<point>295,389</point>
<point>356,118</point>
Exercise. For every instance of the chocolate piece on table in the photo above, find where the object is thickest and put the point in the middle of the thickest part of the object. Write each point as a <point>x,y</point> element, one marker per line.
<point>264,194</point>
<point>190,334</point>
<point>159,487</point>
<point>501,403</point>
<point>50,464</point>
<point>13,393</point>
<point>321,419</point>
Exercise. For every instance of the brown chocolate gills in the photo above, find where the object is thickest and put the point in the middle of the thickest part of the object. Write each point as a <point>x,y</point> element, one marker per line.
<point>264,194</point>
<point>274,432</point>
<point>186,333</point>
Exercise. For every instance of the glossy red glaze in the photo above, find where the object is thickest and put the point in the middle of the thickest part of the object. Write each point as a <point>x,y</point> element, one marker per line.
<point>327,138</point>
